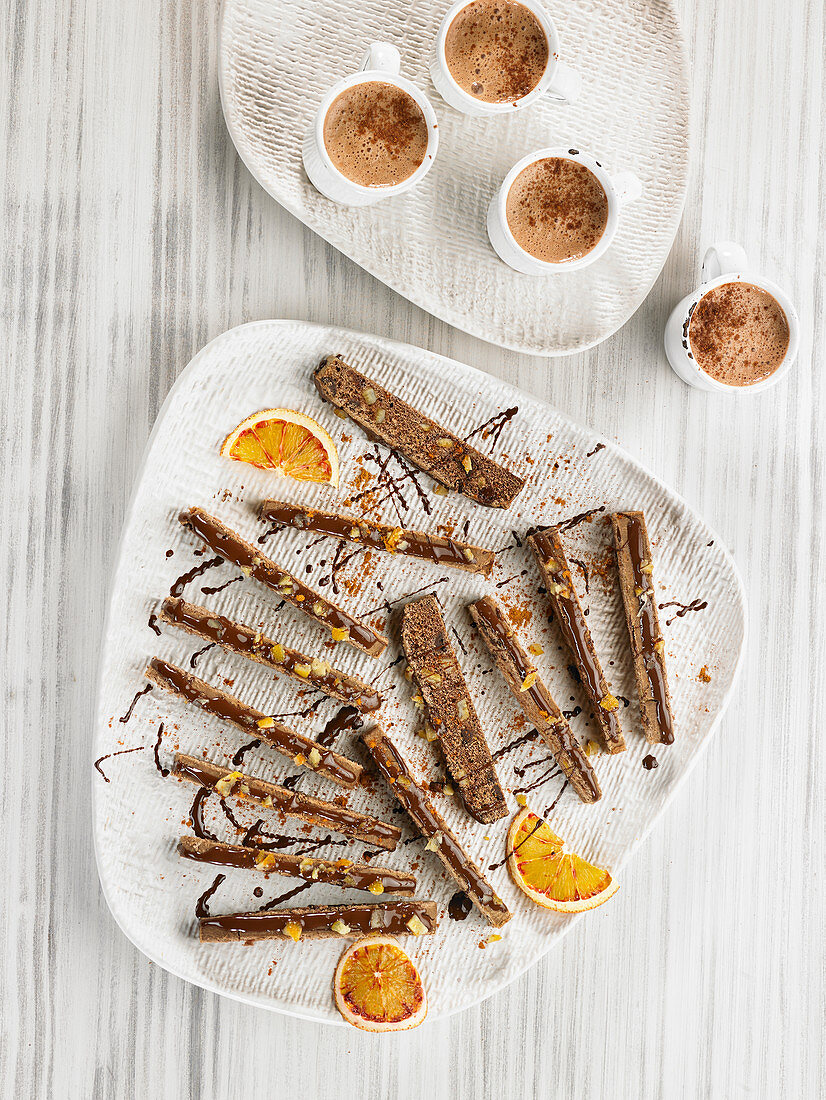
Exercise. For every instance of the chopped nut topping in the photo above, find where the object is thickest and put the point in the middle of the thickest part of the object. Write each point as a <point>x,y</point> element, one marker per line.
<point>432,678</point>
<point>375,918</point>
<point>609,702</point>
<point>425,427</point>
<point>380,415</point>
<point>435,842</point>
<point>376,887</point>
<point>318,608</point>
<point>224,786</point>
<point>647,566</point>
<point>339,633</point>
<point>402,546</point>
<point>551,563</point>
<point>463,710</point>
<point>443,441</point>
<point>302,670</point>
<point>292,930</point>
<point>416,926</point>
<point>467,553</point>
<point>418,701</point>
<point>369,395</point>
<point>263,860</point>
<point>482,482</point>
<point>340,412</point>
<point>529,680</point>
<point>348,880</point>
<point>659,646</point>
<point>277,652</point>
<point>448,790</point>
<point>535,648</point>
<point>265,723</point>
<point>267,801</point>
<point>340,927</point>
<point>305,865</point>
<point>591,748</point>
<point>468,465</point>
<point>558,590</point>
<point>319,667</point>
<point>314,759</point>
<point>440,491</point>
<point>431,734</point>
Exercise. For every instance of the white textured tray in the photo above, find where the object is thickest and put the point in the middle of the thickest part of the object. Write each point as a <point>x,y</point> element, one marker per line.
<point>139,815</point>
<point>278,58</point>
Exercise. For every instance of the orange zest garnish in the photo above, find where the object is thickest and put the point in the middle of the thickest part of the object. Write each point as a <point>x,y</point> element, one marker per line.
<point>285,440</point>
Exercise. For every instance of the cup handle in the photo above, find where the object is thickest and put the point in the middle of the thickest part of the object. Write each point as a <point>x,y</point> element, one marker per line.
<point>627,187</point>
<point>381,57</point>
<point>566,84</point>
<point>723,258</point>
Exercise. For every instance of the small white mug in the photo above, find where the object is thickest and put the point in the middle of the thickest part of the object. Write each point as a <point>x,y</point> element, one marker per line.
<point>381,62</point>
<point>619,190</point>
<point>559,81</point>
<point>725,262</point>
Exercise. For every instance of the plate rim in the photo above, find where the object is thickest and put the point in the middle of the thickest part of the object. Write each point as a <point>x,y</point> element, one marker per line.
<point>684,72</point>
<point>190,370</point>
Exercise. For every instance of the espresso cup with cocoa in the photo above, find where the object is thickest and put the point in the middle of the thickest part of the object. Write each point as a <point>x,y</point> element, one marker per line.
<point>375,134</point>
<point>737,333</point>
<point>492,57</point>
<point>557,210</point>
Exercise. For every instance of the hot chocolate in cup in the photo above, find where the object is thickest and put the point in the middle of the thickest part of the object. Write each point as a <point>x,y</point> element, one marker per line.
<point>375,134</point>
<point>557,211</point>
<point>737,333</point>
<point>492,57</point>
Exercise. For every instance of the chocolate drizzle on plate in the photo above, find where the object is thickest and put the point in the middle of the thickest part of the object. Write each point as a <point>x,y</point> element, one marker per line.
<point>347,718</point>
<point>109,755</point>
<point>196,814</point>
<point>649,762</point>
<point>155,751</point>
<point>202,904</point>
<point>180,584</point>
<point>695,605</point>
<point>238,757</point>
<point>138,694</point>
<point>459,906</point>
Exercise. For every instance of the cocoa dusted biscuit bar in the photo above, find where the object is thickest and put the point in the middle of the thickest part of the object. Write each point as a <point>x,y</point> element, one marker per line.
<point>246,641</point>
<point>533,696</point>
<point>426,444</point>
<point>556,575</point>
<point>449,709</point>
<point>315,811</point>
<point>227,544</point>
<point>303,751</point>
<point>381,536</point>
<point>316,922</point>
<point>335,872</point>
<point>440,840</point>
<point>636,567</point>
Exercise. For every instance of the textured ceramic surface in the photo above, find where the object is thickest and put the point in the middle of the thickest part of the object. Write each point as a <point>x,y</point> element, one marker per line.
<point>139,814</point>
<point>278,60</point>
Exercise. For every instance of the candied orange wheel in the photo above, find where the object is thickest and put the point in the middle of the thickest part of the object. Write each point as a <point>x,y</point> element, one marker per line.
<point>551,877</point>
<point>285,440</point>
<point>378,988</point>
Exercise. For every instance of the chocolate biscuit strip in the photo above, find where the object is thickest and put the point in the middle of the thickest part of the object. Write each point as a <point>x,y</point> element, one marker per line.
<point>316,922</point>
<point>227,544</point>
<point>635,566</point>
<point>326,815</point>
<point>449,709</point>
<point>381,536</point>
<point>533,696</point>
<point>251,643</point>
<point>440,839</point>
<point>556,575</point>
<point>434,449</point>
<point>335,872</point>
<point>303,751</point>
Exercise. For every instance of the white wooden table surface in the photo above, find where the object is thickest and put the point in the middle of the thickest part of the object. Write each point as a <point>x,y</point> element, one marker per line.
<point>131,236</point>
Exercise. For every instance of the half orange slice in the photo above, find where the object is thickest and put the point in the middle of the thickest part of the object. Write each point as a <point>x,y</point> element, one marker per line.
<point>377,986</point>
<point>285,440</point>
<point>551,877</point>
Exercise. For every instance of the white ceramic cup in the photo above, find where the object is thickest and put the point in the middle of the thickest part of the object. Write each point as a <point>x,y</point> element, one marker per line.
<point>725,262</point>
<point>381,62</point>
<point>559,81</point>
<point>619,190</point>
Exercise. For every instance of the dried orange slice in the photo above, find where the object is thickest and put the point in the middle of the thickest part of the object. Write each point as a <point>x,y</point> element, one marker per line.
<point>551,877</point>
<point>378,988</point>
<point>285,440</point>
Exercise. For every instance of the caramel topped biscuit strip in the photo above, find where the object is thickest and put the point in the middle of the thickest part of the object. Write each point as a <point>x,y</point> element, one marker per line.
<point>315,922</point>
<point>381,536</point>
<point>303,751</point>
<point>224,542</point>
<point>426,444</point>
<point>327,815</point>
<point>533,696</point>
<point>335,872</point>
<point>449,709</point>
<point>440,840</point>
<point>556,575</point>
<point>636,567</point>
<point>249,642</point>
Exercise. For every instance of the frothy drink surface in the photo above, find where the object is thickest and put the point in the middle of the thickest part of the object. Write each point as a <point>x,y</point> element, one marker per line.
<point>375,134</point>
<point>557,209</point>
<point>496,50</point>
<point>739,334</point>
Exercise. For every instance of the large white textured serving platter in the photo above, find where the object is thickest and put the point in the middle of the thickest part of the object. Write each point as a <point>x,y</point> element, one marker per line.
<point>139,814</point>
<point>278,57</point>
